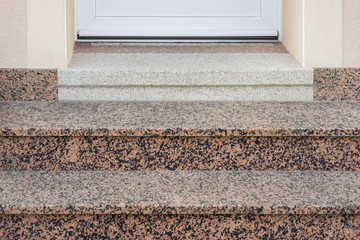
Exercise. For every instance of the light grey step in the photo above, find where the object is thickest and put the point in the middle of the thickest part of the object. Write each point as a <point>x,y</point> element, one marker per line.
<point>186,69</point>
<point>185,76</point>
<point>240,93</point>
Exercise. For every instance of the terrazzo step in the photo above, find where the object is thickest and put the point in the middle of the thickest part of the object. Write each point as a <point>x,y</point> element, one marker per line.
<point>188,73</point>
<point>179,204</point>
<point>179,136</point>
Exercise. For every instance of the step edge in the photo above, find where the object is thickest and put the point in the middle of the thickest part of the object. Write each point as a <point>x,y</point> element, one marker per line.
<point>180,192</point>
<point>33,132</point>
<point>111,78</point>
<point>174,210</point>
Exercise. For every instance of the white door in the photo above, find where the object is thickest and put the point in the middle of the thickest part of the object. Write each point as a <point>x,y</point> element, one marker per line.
<point>178,18</point>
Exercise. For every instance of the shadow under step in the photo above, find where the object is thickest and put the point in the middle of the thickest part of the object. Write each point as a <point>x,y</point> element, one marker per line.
<point>179,136</point>
<point>180,204</point>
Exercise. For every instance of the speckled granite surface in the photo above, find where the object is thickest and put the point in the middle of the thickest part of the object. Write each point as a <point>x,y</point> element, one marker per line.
<point>179,119</point>
<point>179,48</point>
<point>28,85</point>
<point>180,192</point>
<point>337,84</point>
<point>179,227</point>
<point>180,153</point>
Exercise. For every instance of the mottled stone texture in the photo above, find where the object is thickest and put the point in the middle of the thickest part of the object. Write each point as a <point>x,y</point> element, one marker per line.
<point>180,153</point>
<point>179,227</point>
<point>179,48</point>
<point>173,119</point>
<point>179,136</point>
<point>180,192</point>
<point>28,85</point>
<point>337,84</point>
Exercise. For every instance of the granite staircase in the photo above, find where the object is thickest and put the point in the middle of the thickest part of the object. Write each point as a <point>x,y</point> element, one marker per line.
<point>179,170</point>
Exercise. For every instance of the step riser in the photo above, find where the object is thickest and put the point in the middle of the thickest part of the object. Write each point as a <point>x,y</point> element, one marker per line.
<point>179,227</point>
<point>180,153</point>
<point>186,78</point>
<point>165,93</point>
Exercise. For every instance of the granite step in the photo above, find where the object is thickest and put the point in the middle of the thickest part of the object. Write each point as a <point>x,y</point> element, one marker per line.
<point>179,204</point>
<point>184,73</point>
<point>180,136</point>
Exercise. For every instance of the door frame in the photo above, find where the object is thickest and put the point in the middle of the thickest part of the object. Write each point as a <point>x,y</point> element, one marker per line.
<point>274,20</point>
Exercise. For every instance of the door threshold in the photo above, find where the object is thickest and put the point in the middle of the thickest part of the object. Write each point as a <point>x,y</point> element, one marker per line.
<point>173,40</point>
<point>176,47</point>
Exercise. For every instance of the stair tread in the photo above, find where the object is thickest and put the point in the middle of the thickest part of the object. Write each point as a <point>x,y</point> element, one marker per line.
<point>179,119</point>
<point>184,69</point>
<point>183,61</point>
<point>179,192</point>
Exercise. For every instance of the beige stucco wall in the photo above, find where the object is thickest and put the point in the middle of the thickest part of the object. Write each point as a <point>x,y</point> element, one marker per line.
<point>36,33</point>
<point>70,28</point>
<point>293,28</point>
<point>13,34</point>
<point>351,33</point>
<point>46,34</point>
<point>323,33</point>
<point>329,36</point>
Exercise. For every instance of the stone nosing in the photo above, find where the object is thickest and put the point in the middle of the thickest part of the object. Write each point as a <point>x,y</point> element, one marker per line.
<point>239,119</point>
<point>180,193</point>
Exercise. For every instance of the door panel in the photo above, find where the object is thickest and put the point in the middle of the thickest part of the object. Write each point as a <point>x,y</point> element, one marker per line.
<point>178,19</point>
<point>176,8</point>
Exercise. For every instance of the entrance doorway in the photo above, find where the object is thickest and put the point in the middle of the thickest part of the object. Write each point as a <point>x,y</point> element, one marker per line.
<point>173,19</point>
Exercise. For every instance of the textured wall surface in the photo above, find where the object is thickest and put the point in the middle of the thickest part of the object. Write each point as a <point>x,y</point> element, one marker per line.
<point>351,33</point>
<point>13,33</point>
<point>70,29</point>
<point>293,29</point>
<point>46,34</point>
<point>323,33</point>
